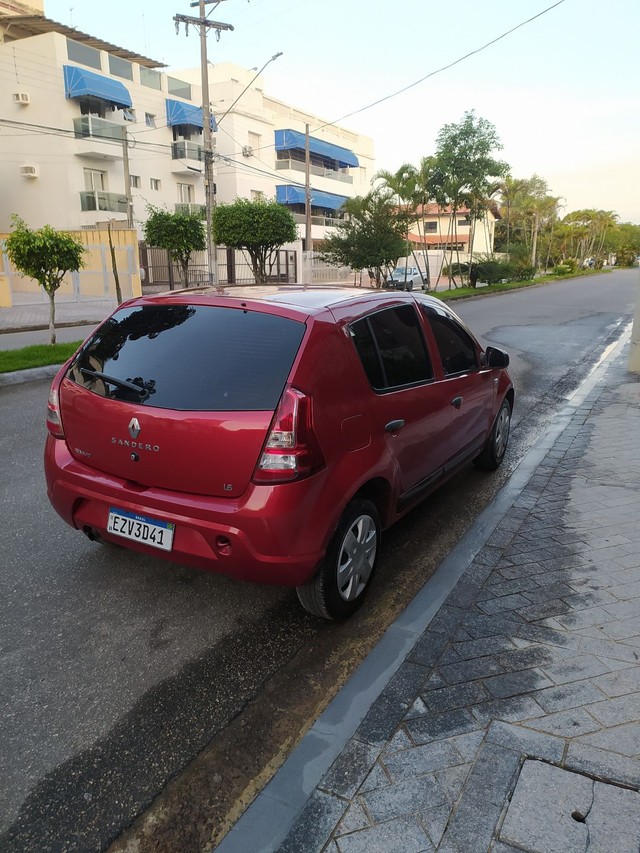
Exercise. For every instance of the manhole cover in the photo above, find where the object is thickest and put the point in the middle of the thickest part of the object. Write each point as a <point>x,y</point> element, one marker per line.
<point>556,811</point>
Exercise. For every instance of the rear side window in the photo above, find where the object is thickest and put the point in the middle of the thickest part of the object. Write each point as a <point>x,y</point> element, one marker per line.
<point>190,358</point>
<point>392,349</point>
<point>457,350</point>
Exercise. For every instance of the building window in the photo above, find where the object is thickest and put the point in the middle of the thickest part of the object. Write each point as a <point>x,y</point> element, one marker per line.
<point>186,132</point>
<point>185,193</point>
<point>430,226</point>
<point>155,183</point>
<point>128,114</point>
<point>150,78</point>
<point>179,88</point>
<point>149,119</point>
<point>134,181</point>
<point>83,54</point>
<point>91,107</point>
<point>465,221</point>
<point>257,195</point>
<point>254,141</point>
<point>120,67</point>
<point>95,180</point>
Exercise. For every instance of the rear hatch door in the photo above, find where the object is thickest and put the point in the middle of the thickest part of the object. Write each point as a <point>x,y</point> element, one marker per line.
<point>179,397</point>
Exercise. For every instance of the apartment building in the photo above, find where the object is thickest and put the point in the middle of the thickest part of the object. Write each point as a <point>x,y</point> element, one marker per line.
<point>260,151</point>
<point>435,230</point>
<point>90,131</point>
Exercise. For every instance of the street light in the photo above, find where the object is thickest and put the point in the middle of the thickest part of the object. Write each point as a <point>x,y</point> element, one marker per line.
<point>258,73</point>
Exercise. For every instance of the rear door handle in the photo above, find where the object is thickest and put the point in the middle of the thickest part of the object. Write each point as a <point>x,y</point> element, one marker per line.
<point>394,426</point>
<point>456,402</point>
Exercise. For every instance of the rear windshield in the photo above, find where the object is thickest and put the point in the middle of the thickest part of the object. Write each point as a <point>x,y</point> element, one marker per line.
<point>190,358</point>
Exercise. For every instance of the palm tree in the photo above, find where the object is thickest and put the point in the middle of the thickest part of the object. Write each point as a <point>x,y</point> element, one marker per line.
<point>403,185</point>
<point>511,191</point>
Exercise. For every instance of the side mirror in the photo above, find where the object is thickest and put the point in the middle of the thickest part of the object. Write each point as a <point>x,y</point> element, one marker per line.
<point>496,357</point>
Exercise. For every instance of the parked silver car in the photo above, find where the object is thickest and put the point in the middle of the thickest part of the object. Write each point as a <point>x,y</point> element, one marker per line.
<point>406,278</point>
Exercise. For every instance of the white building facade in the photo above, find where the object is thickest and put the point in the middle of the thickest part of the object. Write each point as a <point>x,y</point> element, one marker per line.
<point>91,132</point>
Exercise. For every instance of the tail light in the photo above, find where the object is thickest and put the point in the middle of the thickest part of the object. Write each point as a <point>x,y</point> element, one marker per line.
<point>54,421</point>
<point>291,450</point>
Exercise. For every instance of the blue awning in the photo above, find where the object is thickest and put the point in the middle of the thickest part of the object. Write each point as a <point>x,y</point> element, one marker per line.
<point>78,83</point>
<point>178,112</point>
<point>287,140</point>
<point>286,194</point>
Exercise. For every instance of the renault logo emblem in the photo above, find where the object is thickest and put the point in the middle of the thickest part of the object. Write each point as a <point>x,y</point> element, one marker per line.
<point>134,427</point>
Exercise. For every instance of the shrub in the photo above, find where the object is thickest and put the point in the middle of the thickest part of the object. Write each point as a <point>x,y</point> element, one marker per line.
<point>563,269</point>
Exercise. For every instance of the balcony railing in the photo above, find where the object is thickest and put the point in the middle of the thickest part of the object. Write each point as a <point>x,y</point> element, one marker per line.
<point>187,151</point>
<point>99,200</point>
<point>196,209</point>
<point>98,128</point>
<point>298,166</point>
<point>316,220</point>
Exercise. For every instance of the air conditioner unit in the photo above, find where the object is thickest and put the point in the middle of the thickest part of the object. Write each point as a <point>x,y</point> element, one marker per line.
<point>21,98</point>
<point>247,151</point>
<point>29,171</point>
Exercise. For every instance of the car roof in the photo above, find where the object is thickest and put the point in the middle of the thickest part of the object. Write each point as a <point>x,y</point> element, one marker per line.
<point>307,299</point>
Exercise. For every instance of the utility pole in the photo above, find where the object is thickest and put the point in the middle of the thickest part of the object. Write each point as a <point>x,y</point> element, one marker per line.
<point>127,177</point>
<point>203,24</point>
<point>307,196</point>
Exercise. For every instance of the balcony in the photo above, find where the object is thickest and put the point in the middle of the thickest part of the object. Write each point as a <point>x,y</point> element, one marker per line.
<point>99,200</point>
<point>99,139</point>
<point>194,209</point>
<point>321,171</point>
<point>192,156</point>
<point>326,221</point>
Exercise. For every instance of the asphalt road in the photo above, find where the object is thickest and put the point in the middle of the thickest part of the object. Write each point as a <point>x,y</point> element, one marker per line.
<point>118,670</point>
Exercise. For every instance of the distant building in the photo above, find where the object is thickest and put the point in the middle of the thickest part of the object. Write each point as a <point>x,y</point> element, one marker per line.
<point>435,230</point>
<point>74,109</point>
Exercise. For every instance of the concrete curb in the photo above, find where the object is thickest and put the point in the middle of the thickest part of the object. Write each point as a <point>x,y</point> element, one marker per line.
<point>13,330</point>
<point>267,821</point>
<point>18,377</point>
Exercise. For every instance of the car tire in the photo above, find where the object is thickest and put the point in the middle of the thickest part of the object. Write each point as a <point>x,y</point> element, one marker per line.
<point>496,446</point>
<point>343,577</point>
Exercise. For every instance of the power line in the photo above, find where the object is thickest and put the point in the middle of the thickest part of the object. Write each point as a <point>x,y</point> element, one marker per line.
<point>444,67</point>
<point>431,73</point>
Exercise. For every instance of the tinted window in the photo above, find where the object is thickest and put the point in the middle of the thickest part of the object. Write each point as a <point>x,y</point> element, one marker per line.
<point>367,350</point>
<point>83,54</point>
<point>150,78</point>
<point>179,88</point>
<point>191,358</point>
<point>120,67</point>
<point>457,350</point>
<point>392,349</point>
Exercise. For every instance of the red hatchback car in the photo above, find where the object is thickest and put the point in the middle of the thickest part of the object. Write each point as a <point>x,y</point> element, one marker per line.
<point>271,434</point>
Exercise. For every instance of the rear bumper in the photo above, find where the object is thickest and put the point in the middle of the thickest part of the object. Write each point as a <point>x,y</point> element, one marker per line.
<point>267,536</point>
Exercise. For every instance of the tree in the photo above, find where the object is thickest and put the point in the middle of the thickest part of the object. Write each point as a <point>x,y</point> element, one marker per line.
<point>406,185</point>
<point>623,241</point>
<point>529,213</point>
<point>179,233</point>
<point>258,227</point>
<point>512,191</point>
<point>586,233</point>
<point>372,236</point>
<point>47,256</point>
<point>466,167</point>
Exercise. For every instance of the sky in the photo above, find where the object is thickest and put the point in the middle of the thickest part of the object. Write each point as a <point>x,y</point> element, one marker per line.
<point>563,91</point>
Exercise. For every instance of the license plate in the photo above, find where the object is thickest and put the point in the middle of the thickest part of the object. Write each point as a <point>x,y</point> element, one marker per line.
<point>140,528</point>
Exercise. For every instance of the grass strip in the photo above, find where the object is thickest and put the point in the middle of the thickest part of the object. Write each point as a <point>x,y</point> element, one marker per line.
<point>38,355</point>
<point>486,289</point>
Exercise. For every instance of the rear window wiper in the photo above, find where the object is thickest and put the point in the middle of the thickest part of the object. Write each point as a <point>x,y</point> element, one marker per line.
<point>113,380</point>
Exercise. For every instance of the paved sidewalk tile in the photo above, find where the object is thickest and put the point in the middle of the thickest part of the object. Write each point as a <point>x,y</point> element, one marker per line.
<point>522,698</point>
